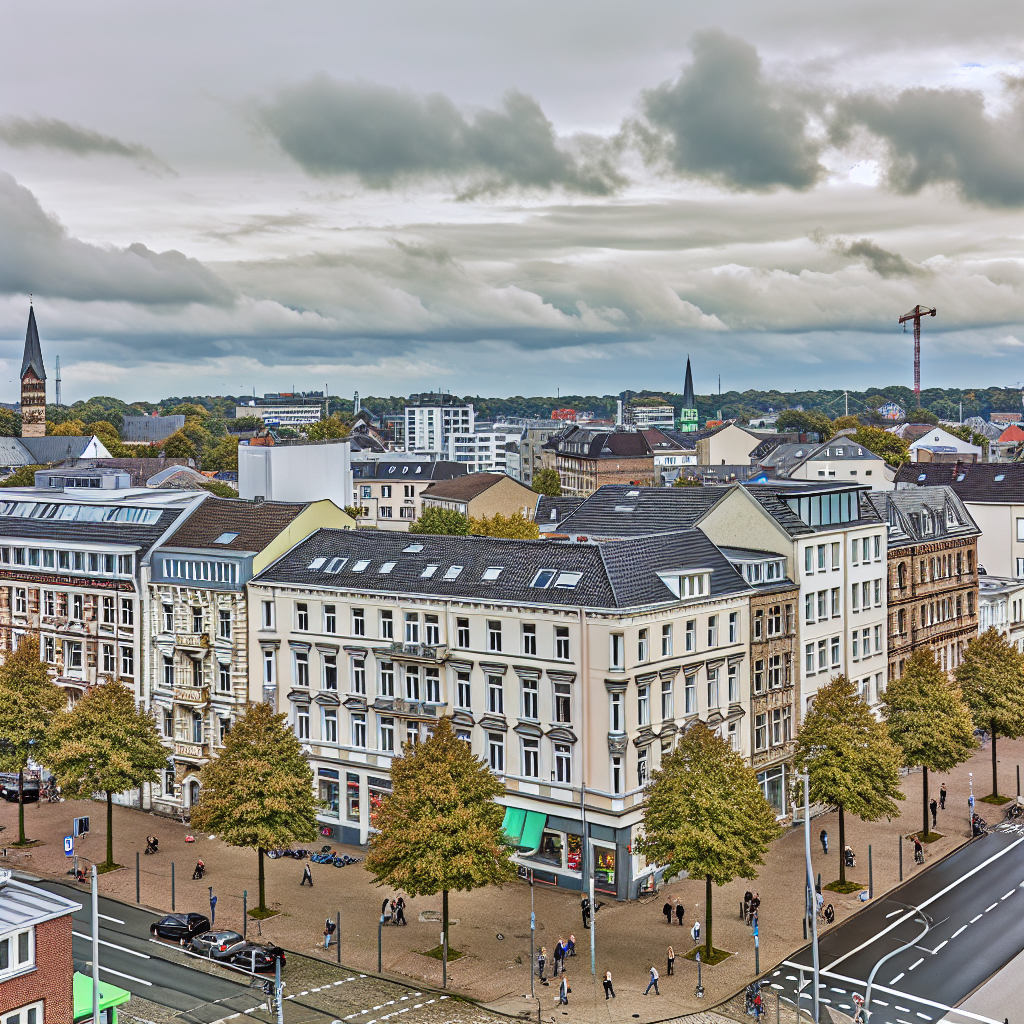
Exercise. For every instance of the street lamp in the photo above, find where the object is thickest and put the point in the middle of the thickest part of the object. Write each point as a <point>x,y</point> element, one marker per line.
<point>889,956</point>
<point>810,903</point>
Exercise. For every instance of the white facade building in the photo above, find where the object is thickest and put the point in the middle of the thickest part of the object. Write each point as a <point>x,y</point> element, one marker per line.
<point>283,415</point>
<point>429,424</point>
<point>296,472</point>
<point>481,452</point>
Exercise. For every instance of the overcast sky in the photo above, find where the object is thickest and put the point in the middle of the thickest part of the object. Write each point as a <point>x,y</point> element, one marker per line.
<point>206,198</point>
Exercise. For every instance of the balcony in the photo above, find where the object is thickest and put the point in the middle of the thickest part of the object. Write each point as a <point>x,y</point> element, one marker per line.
<point>920,634</point>
<point>420,653</point>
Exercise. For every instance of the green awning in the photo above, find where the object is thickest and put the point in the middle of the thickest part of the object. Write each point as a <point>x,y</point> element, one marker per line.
<point>533,830</point>
<point>110,995</point>
<point>513,823</point>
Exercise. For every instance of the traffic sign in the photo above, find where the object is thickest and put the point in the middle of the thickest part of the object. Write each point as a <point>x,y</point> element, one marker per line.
<point>69,846</point>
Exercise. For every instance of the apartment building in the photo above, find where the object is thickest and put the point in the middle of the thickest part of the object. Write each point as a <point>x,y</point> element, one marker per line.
<point>480,495</point>
<point>431,418</point>
<point>1001,607</point>
<point>197,678</point>
<point>531,436</point>
<point>587,459</point>
<point>570,668</point>
<point>389,492</point>
<point>932,578</point>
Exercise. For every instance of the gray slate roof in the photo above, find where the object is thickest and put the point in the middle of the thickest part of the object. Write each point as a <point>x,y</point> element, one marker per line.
<point>907,511</point>
<point>983,482</point>
<point>51,530</point>
<point>406,469</point>
<point>788,457</point>
<point>617,574</point>
<point>50,449</point>
<point>772,498</point>
<point>562,506</point>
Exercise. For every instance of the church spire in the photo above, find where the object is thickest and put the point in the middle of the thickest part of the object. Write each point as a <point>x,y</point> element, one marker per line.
<point>33,359</point>
<point>33,383</point>
<point>688,402</point>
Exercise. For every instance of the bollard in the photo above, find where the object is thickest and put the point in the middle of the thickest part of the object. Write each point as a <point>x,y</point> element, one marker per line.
<point>172,886</point>
<point>137,876</point>
<point>338,930</point>
<point>871,876</point>
<point>1018,780</point>
<point>901,858</point>
<point>245,911</point>
<point>380,926</point>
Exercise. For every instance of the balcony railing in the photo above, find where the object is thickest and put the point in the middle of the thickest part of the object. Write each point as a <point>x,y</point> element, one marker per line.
<point>417,652</point>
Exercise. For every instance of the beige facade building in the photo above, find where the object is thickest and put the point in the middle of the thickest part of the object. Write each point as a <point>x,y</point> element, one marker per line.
<point>480,495</point>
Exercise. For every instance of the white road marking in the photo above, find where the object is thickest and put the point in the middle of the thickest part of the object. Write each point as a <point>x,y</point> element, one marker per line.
<point>939,946</point>
<point>973,919</point>
<point>114,919</point>
<point>893,914</point>
<point>904,1009</point>
<point>942,892</point>
<point>897,978</point>
<point>963,928</point>
<point>130,977</point>
<point>994,905</point>
<point>924,1016</point>
<point>917,963</point>
<point>113,945</point>
<point>881,1002</point>
<point>1008,895</point>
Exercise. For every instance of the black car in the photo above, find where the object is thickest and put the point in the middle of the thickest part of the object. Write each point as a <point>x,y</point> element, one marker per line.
<point>250,956</point>
<point>209,942</point>
<point>180,926</point>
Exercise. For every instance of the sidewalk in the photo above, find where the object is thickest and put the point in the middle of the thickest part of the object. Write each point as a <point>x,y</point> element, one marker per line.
<point>491,927</point>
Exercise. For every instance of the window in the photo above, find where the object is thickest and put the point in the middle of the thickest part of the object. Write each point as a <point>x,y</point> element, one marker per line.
<point>268,615</point>
<point>358,729</point>
<point>734,627</point>
<point>530,759</point>
<point>809,607</point>
<point>615,712</point>
<point>835,652</point>
<point>759,676</point>
<point>387,734</point>
<point>758,624</point>
<point>667,703</point>
<point>127,661</point>
<point>269,674</point>
<point>712,631</point>
<point>108,611</point>
<point>713,701</point>
<point>760,732</point>
<point>733,677</point>
<point>452,572</point>
<point>530,699</point>
<point>224,678</point>
<point>563,763</point>
<point>866,557</point>
<point>168,673</point>
<point>330,725</point>
<point>495,695</point>
<point>496,752</point>
<point>822,655</point>
<point>358,622</point>
<point>224,623</point>
<point>358,675</point>
<point>197,620</point>
<point>776,727</point>
<point>385,490</point>
<point>529,638</point>
<point>493,635</point>
<point>835,602</point>
<point>822,604</point>
<point>617,652</point>
<point>491,574</point>
<point>301,617</point>
<point>432,630</point>
<point>463,690</point>
<point>387,679</point>
<point>866,642</point>
<point>809,659</point>
<point>109,661</point>
<point>878,639</point>
<point>412,627</point>
<point>878,546</point>
<point>666,640</point>
<point>855,597</point>
<point>462,632</point>
<point>387,626</point>
<point>385,512</point>
<point>49,649</point>
<point>821,557</point>
<point>878,593</point>
<point>563,702</point>
<point>386,567</point>
<point>809,559</point>
<point>690,694</point>
<point>77,604</point>
<point>617,775</point>
<point>197,727</point>
<point>642,756</point>
<point>562,643</point>
<point>301,666</point>
<point>412,683</point>
<point>775,620</point>
<point>643,705</point>
<point>642,646</point>
<point>407,512</point>
<point>21,601</point>
<point>168,616</point>
<point>835,555</point>
<point>330,672</point>
<point>432,683</point>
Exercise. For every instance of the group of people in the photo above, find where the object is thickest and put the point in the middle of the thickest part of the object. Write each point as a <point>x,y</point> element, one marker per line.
<point>393,911</point>
<point>670,908</point>
<point>561,953</point>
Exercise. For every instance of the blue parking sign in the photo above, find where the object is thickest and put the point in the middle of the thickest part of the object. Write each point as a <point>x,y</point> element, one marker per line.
<point>69,846</point>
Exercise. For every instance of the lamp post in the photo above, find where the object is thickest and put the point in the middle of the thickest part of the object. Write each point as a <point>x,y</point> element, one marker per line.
<point>811,903</point>
<point>889,956</point>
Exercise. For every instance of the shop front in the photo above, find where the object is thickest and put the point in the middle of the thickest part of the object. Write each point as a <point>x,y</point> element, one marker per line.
<point>773,784</point>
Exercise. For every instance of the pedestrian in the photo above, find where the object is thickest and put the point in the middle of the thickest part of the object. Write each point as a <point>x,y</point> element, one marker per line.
<point>394,911</point>
<point>400,911</point>
<point>384,907</point>
<point>199,871</point>
<point>585,910</point>
<point>695,932</point>
<point>563,992</point>
<point>942,797</point>
<point>824,841</point>
<point>570,950</point>
<point>858,1002</point>
<point>755,906</point>
<point>667,911</point>
<point>671,961</point>
<point>679,913</point>
<point>329,929</point>
<point>558,958</point>
<point>542,959</point>
<point>608,989</point>
<point>934,807</point>
<point>307,877</point>
<point>653,981</point>
<point>213,907</point>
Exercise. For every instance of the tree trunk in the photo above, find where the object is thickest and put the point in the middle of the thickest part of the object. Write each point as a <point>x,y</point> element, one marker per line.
<point>110,831</point>
<point>444,938</point>
<point>995,774</point>
<point>263,892</point>
<point>708,945</point>
<point>21,806</point>
<point>842,847</point>
<point>924,783</point>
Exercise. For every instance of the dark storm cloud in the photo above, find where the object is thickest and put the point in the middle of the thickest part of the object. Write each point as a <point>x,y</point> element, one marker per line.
<point>942,136</point>
<point>883,262</point>
<point>384,135</point>
<point>725,121</point>
<point>37,255</point>
<point>50,133</point>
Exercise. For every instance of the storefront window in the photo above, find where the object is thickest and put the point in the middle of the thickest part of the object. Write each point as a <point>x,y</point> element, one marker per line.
<point>352,797</point>
<point>551,845</point>
<point>378,790</point>
<point>604,869</point>
<point>329,795</point>
<point>573,852</point>
<point>773,785</point>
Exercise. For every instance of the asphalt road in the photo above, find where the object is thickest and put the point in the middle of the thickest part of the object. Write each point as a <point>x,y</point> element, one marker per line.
<point>974,905</point>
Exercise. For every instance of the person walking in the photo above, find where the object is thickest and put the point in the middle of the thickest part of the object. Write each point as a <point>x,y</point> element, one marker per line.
<point>329,928</point>
<point>558,958</point>
<point>542,959</point>
<point>667,911</point>
<point>824,841</point>
<point>942,797</point>
<point>307,877</point>
<point>679,913</point>
<point>400,911</point>
<point>934,807</point>
<point>585,911</point>
<point>608,988</point>
<point>563,992</point>
<point>671,962</point>
<point>858,1002</point>
<point>384,907</point>
<point>653,981</point>
<point>570,949</point>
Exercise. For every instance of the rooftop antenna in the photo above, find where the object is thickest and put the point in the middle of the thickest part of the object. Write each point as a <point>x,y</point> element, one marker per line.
<point>58,382</point>
<point>915,314</point>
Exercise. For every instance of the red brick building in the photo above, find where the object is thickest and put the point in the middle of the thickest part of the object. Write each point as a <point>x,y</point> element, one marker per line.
<point>36,969</point>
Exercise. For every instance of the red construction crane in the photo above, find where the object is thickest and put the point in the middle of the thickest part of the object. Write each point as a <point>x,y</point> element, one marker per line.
<point>915,314</point>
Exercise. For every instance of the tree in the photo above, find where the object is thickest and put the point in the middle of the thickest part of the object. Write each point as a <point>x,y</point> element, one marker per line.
<point>515,527</point>
<point>178,446</point>
<point>223,455</point>
<point>705,814</point>
<point>70,428</point>
<point>332,426</point>
<point>845,423</point>
<point>441,520</point>
<point>105,744</point>
<point>852,764</point>
<point>28,701</point>
<point>893,449</point>
<point>991,677</point>
<point>548,482</point>
<point>258,794</point>
<point>10,423</point>
<point>245,423</point>
<point>811,421</point>
<point>928,720</point>
<point>441,828</point>
<point>23,476</point>
<point>222,490</point>
<point>682,480</point>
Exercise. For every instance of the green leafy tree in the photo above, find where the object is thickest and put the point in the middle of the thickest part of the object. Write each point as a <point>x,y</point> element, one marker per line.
<point>686,481</point>
<point>705,814</point>
<point>180,446</point>
<point>441,827</point>
<point>893,449</point>
<point>804,422</point>
<point>105,744</point>
<point>10,423</point>
<point>188,410</point>
<point>69,428</point>
<point>928,720</point>
<point>548,482</point>
<point>441,520</point>
<point>515,526</point>
<point>28,701</point>
<point>222,455</point>
<point>852,764</point>
<point>23,476</point>
<point>222,490</point>
<point>991,677</point>
<point>331,427</point>
<point>245,423</point>
<point>258,794</point>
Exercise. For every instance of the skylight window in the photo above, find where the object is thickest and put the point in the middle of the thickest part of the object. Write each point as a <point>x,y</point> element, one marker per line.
<point>543,578</point>
<point>316,563</point>
<point>429,571</point>
<point>412,548</point>
<point>386,568</point>
<point>336,565</point>
<point>360,565</point>
<point>625,508</point>
<point>999,476</point>
<point>492,573</point>
<point>921,477</point>
<point>632,494</point>
<point>554,513</point>
<point>226,538</point>
<point>960,477</point>
<point>452,572</point>
<point>568,580</point>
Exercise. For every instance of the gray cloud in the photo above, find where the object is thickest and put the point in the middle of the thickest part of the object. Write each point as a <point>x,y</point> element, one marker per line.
<point>37,255</point>
<point>725,121</point>
<point>51,133</point>
<point>384,135</point>
<point>883,262</point>
<point>942,136</point>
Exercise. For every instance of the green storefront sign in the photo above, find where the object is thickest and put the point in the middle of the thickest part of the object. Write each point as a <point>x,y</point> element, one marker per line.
<point>110,997</point>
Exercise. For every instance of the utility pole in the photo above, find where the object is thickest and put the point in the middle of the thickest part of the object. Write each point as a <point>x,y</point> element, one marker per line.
<point>846,397</point>
<point>811,902</point>
<point>95,949</point>
<point>915,314</point>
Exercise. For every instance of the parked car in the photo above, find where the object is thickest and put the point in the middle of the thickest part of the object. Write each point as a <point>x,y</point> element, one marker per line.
<point>251,956</point>
<point>9,786</point>
<point>180,926</point>
<point>207,942</point>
